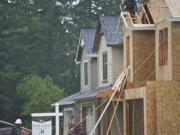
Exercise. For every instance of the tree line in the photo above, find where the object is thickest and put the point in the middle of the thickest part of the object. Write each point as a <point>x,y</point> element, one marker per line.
<point>38,42</point>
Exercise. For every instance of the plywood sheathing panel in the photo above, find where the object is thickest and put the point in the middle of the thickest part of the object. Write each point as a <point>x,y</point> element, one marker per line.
<point>164,73</point>
<point>151,108</point>
<point>168,108</point>
<point>159,10</point>
<point>143,47</point>
<point>163,111</point>
<point>174,6</point>
<point>136,93</point>
<point>176,51</point>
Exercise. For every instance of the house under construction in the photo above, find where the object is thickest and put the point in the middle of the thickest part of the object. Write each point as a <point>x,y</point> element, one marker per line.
<point>130,74</point>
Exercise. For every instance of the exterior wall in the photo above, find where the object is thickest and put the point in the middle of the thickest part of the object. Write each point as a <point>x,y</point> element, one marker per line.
<point>151,118</point>
<point>143,52</point>
<point>102,48</point>
<point>162,102</point>
<point>114,62</point>
<point>117,127</point>
<point>159,10</point>
<point>68,114</point>
<point>164,72</point>
<point>128,34</point>
<point>90,117</point>
<point>94,73</point>
<point>175,51</point>
<point>83,59</point>
<point>142,45</point>
<point>117,61</point>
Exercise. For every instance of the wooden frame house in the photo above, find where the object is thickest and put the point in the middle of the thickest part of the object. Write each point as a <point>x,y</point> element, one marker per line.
<point>143,47</point>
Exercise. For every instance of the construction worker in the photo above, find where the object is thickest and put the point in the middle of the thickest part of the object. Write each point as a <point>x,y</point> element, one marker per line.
<point>17,128</point>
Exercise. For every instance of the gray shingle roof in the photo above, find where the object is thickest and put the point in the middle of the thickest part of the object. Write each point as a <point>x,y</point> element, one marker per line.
<point>109,25</point>
<point>83,95</point>
<point>86,95</point>
<point>88,36</point>
<point>68,100</point>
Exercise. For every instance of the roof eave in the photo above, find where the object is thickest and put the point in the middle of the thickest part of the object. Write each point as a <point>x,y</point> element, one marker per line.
<point>173,19</point>
<point>92,55</point>
<point>114,45</point>
<point>141,27</point>
<point>85,98</point>
<point>78,50</point>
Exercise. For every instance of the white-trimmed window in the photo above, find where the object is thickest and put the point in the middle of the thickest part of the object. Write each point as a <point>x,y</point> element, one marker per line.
<point>85,73</point>
<point>104,58</point>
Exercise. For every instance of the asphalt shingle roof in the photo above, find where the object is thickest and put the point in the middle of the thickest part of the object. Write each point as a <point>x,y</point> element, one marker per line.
<point>92,93</point>
<point>109,25</point>
<point>88,36</point>
<point>83,95</point>
<point>68,100</point>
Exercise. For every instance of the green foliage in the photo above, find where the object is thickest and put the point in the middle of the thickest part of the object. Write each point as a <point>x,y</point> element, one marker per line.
<point>41,38</point>
<point>37,94</point>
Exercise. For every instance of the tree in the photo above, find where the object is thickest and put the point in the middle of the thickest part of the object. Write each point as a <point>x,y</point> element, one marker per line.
<point>40,37</point>
<point>37,94</point>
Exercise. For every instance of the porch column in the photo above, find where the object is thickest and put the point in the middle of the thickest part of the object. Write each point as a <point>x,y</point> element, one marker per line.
<point>57,119</point>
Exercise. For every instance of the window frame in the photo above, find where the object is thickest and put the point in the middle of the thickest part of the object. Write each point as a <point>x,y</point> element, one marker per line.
<point>105,66</point>
<point>163,47</point>
<point>85,65</point>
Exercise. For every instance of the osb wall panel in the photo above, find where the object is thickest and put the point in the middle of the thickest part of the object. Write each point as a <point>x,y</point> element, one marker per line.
<point>151,125</point>
<point>168,108</point>
<point>159,10</point>
<point>143,47</point>
<point>135,93</point>
<point>162,108</point>
<point>164,73</point>
<point>176,51</point>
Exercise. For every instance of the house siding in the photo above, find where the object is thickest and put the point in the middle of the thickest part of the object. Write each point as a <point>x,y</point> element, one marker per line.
<point>102,48</point>
<point>117,61</point>
<point>94,72</point>
<point>114,62</point>
<point>85,59</point>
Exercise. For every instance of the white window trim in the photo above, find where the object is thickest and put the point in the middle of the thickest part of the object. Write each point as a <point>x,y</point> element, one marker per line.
<point>85,61</point>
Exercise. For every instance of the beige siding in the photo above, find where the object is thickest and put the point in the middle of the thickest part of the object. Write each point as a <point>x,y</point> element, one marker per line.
<point>94,75</point>
<point>102,48</point>
<point>164,72</point>
<point>114,62</point>
<point>117,61</point>
<point>85,59</point>
<point>159,10</point>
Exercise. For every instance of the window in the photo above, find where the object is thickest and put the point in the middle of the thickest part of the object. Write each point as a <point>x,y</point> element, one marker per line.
<point>163,47</point>
<point>127,51</point>
<point>104,66</point>
<point>85,73</point>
